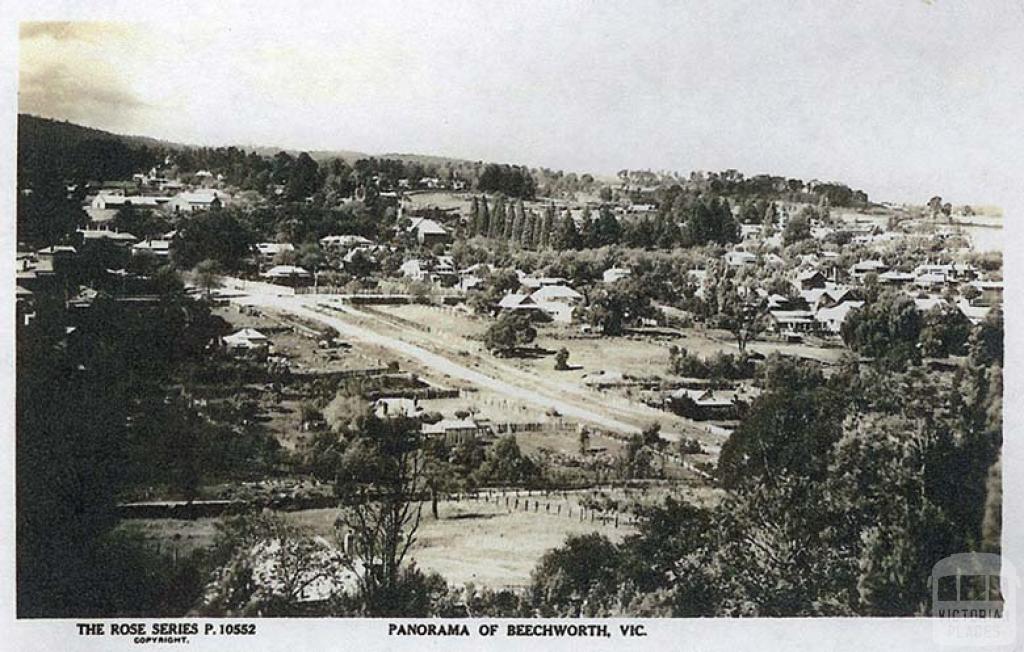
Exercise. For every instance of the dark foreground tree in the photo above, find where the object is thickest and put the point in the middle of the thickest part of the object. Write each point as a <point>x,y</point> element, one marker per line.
<point>381,485</point>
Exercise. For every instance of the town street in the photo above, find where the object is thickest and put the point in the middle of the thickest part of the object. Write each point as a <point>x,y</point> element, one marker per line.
<point>300,306</point>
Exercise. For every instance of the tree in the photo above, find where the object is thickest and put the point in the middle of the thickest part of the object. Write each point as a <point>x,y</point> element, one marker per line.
<point>561,359</point>
<point>505,464</point>
<point>743,316</point>
<point>207,275</point>
<point>510,332</point>
<point>270,565</point>
<point>584,567</point>
<point>474,219</point>
<point>497,226</point>
<point>624,302</point>
<point>788,431</point>
<point>546,224</point>
<point>486,220</point>
<point>607,230</point>
<point>566,237</point>
<point>303,178</point>
<point>798,228</point>
<point>381,488</point>
<point>345,412</point>
<point>217,235</point>
<point>46,215</point>
<point>886,329</point>
<point>515,227</point>
<point>944,332</point>
<point>584,440</point>
<point>651,436</point>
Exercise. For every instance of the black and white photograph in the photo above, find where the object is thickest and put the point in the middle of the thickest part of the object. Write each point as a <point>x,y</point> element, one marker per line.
<point>512,324</point>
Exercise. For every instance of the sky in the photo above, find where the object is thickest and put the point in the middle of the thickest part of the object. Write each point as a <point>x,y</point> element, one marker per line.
<point>903,98</point>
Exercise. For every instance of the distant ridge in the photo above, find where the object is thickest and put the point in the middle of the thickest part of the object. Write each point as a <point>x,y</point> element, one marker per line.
<point>31,128</point>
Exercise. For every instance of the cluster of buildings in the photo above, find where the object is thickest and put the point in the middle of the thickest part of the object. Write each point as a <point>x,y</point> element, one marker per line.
<point>824,293</point>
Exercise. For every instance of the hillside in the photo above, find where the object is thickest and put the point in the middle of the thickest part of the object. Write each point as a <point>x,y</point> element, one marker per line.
<point>33,129</point>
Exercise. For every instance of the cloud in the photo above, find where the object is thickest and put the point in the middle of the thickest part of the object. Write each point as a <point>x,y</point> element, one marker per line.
<point>89,32</point>
<point>55,90</point>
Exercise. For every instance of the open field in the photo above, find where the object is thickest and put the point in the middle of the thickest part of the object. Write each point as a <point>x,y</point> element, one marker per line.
<point>480,541</point>
<point>485,543</point>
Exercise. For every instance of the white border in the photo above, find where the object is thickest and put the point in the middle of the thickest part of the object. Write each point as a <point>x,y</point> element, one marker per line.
<point>366,634</point>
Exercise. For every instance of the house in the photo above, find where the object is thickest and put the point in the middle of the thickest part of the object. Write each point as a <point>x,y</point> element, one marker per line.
<point>200,200</point>
<point>24,305</point>
<point>456,431</point>
<point>614,274</point>
<point>810,279</point>
<point>750,231</point>
<point>288,275</point>
<point>829,296</point>
<point>739,258</point>
<point>473,276</point>
<point>119,238</point>
<point>703,404</point>
<point>344,241</point>
<point>108,200</point>
<point>562,293</point>
<point>558,301</point>
<point>428,232</point>
<point>975,314</point>
<point>861,268</point>
<point>779,302</point>
<point>158,248</point>
<point>415,270</point>
<point>437,270</point>
<point>57,257</point>
<point>926,304</point>
<point>246,339</point>
<point>831,319</point>
<point>931,280</point>
<point>392,408</point>
<point>534,282</point>
<point>786,322</point>
<point>520,303</point>
<point>268,251</point>
<point>896,278</point>
<point>991,291</point>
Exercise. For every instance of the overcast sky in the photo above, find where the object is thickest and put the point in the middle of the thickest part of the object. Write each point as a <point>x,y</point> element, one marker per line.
<point>903,98</point>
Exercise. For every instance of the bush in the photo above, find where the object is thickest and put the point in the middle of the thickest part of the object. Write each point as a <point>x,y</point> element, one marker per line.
<point>720,366</point>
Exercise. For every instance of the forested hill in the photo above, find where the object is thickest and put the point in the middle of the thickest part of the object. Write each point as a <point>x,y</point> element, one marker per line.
<point>33,129</point>
<point>53,149</point>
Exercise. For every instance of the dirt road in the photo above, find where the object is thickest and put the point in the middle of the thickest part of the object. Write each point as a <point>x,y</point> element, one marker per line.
<point>301,307</point>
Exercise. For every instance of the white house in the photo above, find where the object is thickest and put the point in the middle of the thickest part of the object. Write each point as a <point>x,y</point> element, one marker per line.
<point>113,200</point>
<point>246,339</point>
<point>615,274</point>
<point>158,248</point>
<point>740,258</point>
<point>200,200</point>
<point>428,232</point>
<point>342,241</point>
<point>269,250</point>
<point>290,274</point>
<point>831,319</point>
